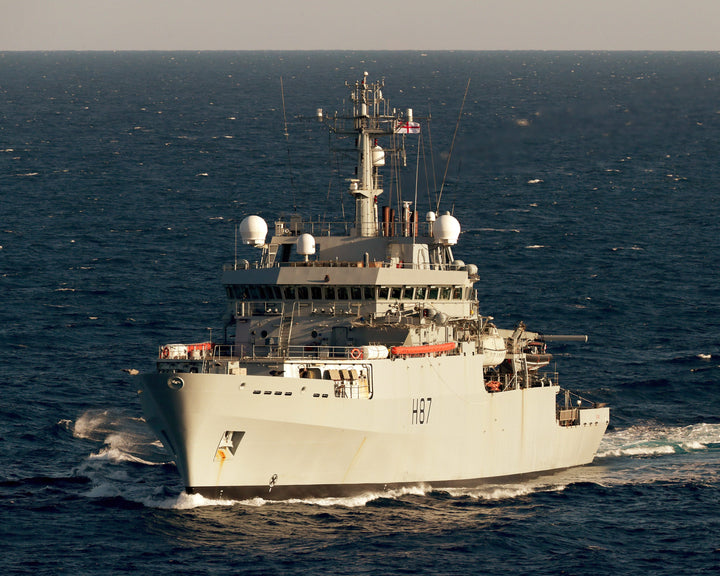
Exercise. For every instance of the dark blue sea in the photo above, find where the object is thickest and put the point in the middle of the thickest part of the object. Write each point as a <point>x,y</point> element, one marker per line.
<point>588,190</point>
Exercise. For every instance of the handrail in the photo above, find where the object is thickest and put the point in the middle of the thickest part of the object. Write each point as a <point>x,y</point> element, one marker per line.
<point>396,228</point>
<point>345,264</point>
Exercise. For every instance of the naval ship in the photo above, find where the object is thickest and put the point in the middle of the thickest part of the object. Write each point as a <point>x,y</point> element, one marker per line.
<point>355,357</point>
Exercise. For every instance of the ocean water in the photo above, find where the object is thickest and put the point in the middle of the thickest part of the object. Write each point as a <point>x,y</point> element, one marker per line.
<point>587,188</point>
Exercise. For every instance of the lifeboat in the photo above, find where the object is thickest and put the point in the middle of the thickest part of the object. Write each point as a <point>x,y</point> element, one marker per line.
<point>535,355</point>
<point>425,349</point>
<point>536,361</point>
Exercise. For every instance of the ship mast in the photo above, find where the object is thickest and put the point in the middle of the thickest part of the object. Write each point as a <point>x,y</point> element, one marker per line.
<point>367,99</point>
<point>370,121</point>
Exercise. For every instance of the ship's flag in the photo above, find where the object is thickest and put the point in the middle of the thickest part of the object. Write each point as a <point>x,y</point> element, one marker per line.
<point>407,128</point>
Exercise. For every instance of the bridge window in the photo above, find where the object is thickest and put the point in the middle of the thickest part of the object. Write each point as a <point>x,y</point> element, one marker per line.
<point>395,292</point>
<point>433,294</point>
<point>355,293</point>
<point>342,293</point>
<point>369,292</point>
<point>316,292</point>
<point>421,292</point>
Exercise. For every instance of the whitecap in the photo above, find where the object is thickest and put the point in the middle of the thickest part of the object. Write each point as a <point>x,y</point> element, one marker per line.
<point>653,440</point>
<point>185,501</point>
<point>493,492</point>
<point>117,455</point>
<point>493,230</point>
<point>125,438</point>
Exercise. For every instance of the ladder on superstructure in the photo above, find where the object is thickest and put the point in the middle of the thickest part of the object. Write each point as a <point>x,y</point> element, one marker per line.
<point>270,254</point>
<point>285,329</point>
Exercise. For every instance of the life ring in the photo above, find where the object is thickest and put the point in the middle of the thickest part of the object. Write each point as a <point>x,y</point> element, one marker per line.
<point>166,352</point>
<point>493,386</point>
<point>356,354</point>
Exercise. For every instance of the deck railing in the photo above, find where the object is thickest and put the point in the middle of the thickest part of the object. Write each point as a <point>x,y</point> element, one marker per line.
<point>244,265</point>
<point>265,351</point>
<point>343,228</point>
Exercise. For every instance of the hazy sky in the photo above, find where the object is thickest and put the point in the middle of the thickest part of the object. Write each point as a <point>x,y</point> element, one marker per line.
<point>341,24</point>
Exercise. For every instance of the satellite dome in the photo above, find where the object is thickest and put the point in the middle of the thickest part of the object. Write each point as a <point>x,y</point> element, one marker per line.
<point>447,230</point>
<point>306,245</point>
<point>253,230</point>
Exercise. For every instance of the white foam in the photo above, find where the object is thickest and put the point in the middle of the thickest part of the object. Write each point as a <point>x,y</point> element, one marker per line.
<point>91,424</point>
<point>650,440</point>
<point>103,491</point>
<point>485,492</point>
<point>125,438</point>
<point>117,455</point>
<point>493,230</point>
<point>185,501</point>
<point>493,492</point>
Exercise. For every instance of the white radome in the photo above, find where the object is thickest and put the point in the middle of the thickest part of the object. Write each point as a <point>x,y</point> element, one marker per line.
<point>253,230</point>
<point>306,245</point>
<point>447,229</point>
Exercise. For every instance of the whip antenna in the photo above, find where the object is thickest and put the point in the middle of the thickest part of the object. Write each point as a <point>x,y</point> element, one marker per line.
<point>287,143</point>
<point>452,145</point>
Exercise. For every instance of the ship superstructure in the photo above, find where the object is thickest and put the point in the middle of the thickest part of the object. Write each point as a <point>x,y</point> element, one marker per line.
<point>359,360</point>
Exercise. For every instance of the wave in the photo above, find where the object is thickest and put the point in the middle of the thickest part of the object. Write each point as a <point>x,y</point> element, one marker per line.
<point>125,438</point>
<point>119,454</point>
<point>514,230</point>
<point>619,248</point>
<point>488,492</point>
<point>652,440</point>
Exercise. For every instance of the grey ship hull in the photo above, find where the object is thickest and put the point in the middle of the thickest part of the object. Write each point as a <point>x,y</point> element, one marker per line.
<point>430,421</point>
